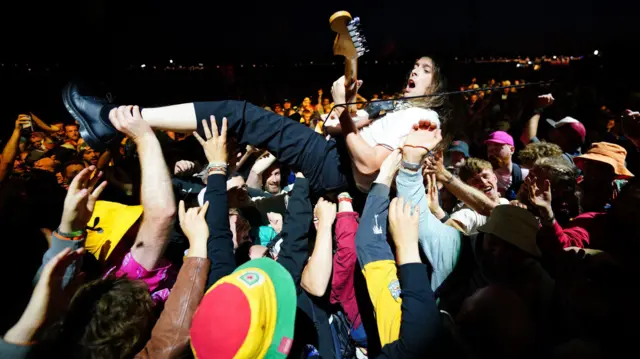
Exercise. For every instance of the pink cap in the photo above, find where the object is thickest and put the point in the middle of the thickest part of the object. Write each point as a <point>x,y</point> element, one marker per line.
<point>500,137</point>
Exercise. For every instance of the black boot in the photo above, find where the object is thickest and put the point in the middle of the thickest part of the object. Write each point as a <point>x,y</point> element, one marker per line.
<point>92,113</point>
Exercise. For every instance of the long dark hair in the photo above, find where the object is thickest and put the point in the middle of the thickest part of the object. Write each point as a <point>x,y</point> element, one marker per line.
<point>439,103</point>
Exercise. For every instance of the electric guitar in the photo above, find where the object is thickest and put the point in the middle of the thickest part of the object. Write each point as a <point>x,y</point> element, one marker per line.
<point>349,43</point>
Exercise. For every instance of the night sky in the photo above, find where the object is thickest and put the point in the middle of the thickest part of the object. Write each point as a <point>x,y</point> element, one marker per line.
<point>119,31</point>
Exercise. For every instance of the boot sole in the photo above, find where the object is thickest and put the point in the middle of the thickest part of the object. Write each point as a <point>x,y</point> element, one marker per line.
<point>85,130</point>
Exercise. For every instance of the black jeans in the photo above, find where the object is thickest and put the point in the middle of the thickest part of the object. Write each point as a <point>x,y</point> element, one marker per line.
<point>292,143</point>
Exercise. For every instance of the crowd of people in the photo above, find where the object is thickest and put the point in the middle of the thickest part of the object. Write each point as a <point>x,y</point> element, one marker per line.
<point>397,228</point>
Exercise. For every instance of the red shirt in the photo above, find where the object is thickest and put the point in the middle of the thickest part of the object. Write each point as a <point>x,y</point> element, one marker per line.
<point>588,230</point>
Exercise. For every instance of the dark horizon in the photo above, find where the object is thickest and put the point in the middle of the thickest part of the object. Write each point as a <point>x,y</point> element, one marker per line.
<point>117,32</point>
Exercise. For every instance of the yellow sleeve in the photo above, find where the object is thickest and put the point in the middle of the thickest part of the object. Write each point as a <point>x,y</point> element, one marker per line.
<point>384,291</point>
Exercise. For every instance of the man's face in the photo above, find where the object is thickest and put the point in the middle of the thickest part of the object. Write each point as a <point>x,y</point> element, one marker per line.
<point>307,116</point>
<point>272,183</point>
<point>325,102</point>
<point>71,131</point>
<point>237,193</point>
<point>287,105</point>
<point>90,156</point>
<point>72,171</point>
<point>306,102</point>
<point>36,140</point>
<point>499,259</point>
<point>487,182</point>
<point>277,108</point>
<point>240,235</point>
<point>474,98</point>
<point>499,154</point>
<point>48,144</point>
<point>19,165</point>
<point>597,178</point>
<point>421,78</point>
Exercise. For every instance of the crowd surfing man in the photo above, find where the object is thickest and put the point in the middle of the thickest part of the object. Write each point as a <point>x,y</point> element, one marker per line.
<point>293,144</point>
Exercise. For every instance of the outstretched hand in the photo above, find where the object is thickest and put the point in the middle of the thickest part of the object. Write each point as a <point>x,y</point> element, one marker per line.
<point>81,200</point>
<point>49,298</point>
<point>540,197</point>
<point>423,137</point>
<point>128,120</point>
<point>214,144</point>
<point>403,226</point>
<point>194,226</point>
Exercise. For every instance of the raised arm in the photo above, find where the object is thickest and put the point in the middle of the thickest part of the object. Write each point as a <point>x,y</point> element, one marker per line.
<point>79,204</point>
<point>170,335</point>
<point>317,273</point>
<point>420,324</point>
<point>220,242</point>
<point>366,159</point>
<point>439,242</point>
<point>156,190</point>
<point>295,230</point>
<point>530,130</point>
<point>43,125</point>
<point>11,148</point>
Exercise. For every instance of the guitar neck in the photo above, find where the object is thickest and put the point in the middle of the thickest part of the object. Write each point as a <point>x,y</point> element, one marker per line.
<point>350,70</point>
<point>350,77</point>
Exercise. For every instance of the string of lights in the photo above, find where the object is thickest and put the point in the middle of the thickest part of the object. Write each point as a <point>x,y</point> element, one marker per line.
<point>172,65</point>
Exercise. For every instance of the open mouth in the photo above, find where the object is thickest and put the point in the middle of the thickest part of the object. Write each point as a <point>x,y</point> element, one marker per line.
<point>411,84</point>
<point>487,189</point>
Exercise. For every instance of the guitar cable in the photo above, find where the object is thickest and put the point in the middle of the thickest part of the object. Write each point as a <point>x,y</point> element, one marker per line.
<point>458,92</point>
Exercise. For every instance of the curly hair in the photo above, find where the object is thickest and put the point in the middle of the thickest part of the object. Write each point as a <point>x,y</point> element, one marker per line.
<point>472,167</point>
<point>107,318</point>
<point>537,150</point>
<point>565,191</point>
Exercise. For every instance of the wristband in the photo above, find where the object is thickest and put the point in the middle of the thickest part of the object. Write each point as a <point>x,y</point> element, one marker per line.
<point>445,218</point>
<point>410,165</point>
<point>216,167</point>
<point>71,235</point>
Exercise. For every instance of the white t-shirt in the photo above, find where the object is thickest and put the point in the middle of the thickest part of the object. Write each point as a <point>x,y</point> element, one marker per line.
<point>471,220</point>
<point>392,129</point>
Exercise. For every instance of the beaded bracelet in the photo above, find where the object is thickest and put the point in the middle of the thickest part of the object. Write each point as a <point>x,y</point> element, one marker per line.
<point>214,169</point>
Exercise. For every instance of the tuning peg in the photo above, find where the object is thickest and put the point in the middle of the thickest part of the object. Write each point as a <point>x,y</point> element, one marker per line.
<point>356,20</point>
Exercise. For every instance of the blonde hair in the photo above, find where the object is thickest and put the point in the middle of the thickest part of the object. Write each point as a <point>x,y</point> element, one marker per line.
<point>538,150</point>
<point>473,166</point>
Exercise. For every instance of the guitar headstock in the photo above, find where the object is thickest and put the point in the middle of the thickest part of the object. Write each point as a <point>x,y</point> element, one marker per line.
<point>349,42</point>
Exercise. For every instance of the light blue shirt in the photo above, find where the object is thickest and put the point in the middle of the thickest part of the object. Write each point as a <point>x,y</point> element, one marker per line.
<point>440,242</point>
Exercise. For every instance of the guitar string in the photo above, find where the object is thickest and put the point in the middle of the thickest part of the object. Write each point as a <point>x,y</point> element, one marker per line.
<point>530,84</point>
